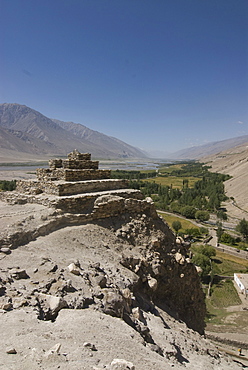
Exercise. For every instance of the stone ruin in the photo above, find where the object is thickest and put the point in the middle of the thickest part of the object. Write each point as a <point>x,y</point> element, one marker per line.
<point>78,167</point>
<point>77,185</point>
<point>74,175</point>
<point>74,192</point>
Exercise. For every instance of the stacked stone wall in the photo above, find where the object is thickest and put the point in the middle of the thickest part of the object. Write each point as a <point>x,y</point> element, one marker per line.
<point>85,203</point>
<point>55,163</point>
<point>80,165</point>
<point>45,174</point>
<point>69,188</point>
<point>88,186</point>
<point>29,186</point>
<point>80,175</point>
<point>117,205</point>
<point>77,186</point>
<point>79,156</point>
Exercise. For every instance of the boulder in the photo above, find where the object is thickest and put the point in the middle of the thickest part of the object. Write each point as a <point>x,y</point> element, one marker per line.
<point>179,258</point>
<point>153,283</point>
<point>11,351</point>
<point>74,269</point>
<point>50,306</point>
<point>17,273</point>
<point>5,250</point>
<point>120,364</point>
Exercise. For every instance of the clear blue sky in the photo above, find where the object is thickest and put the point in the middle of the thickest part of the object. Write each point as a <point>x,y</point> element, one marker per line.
<point>157,74</point>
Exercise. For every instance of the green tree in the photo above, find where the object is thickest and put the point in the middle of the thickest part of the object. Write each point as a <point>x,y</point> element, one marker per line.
<point>203,262</point>
<point>188,211</point>
<point>6,185</point>
<point>193,231</point>
<point>219,230</point>
<point>175,207</point>
<point>228,239</point>
<point>204,230</point>
<point>176,225</point>
<point>202,215</point>
<point>185,183</point>
<point>222,215</point>
<point>242,228</point>
<point>207,250</point>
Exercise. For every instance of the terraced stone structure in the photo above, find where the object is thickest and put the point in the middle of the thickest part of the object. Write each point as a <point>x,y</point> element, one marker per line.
<point>77,185</point>
<point>138,262</point>
<point>78,167</point>
<point>75,175</point>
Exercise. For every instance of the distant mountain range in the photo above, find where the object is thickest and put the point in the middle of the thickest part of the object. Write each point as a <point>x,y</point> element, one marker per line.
<point>198,152</point>
<point>26,134</point>
<point>29,133</point>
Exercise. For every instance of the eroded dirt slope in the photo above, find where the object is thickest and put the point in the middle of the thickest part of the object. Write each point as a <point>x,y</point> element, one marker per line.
<point>87,296</point>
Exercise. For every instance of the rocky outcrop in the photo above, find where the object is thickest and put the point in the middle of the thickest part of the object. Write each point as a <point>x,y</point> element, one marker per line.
<point>164,275</point>
<point>108,253</point>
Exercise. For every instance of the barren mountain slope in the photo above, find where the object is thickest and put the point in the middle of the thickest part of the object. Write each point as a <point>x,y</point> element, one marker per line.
<point>106,143</point>
<point>210,149</point>
<point>235,163</point>
<point>24,130</point>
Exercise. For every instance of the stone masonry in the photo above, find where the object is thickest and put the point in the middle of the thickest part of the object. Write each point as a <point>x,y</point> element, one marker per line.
<point>157,270</point>
<point>75,202</point>
<point>76,175</point>
<point>76,185</point>
<point>78,167</point>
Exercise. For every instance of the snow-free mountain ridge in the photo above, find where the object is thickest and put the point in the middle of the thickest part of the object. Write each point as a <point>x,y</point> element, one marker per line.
<point>209,149</point>
<point>24,130</point>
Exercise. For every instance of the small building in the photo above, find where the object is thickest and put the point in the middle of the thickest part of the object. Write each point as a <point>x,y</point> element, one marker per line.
<point>242,282</point>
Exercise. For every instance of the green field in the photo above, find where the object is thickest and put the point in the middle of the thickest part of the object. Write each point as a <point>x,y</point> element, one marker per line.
<point>230,264</point>
<point>171,218</point>
<point>167,169</point>
<point>167,177</point>
<point>224,294</point>
<point>173,181</point>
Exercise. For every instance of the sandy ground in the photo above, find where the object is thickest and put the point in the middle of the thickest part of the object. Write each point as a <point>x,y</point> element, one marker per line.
<point>17,174</point>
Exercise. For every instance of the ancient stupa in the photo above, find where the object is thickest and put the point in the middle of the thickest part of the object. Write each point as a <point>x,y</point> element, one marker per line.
<point>77,185</point>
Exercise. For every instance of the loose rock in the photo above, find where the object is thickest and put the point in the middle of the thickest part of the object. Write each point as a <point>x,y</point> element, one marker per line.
<point>11,351</point>
<point>120,364</point>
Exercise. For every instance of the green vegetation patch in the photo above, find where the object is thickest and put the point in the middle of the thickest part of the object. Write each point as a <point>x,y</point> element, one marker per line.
<point>6,185</point>
<point>169,218</point>
<point>225,267</point>
<point>170,168</point>
<point>174,181</point>
<point>230,264</point>
<point>186,190</point>
<point>189,168</point>
<point>224,294</point>
<point>133,175</point>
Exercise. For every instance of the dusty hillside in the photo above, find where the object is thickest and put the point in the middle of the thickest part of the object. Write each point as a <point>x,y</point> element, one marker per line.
<point>91,295</point>
<point>235,163</point>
